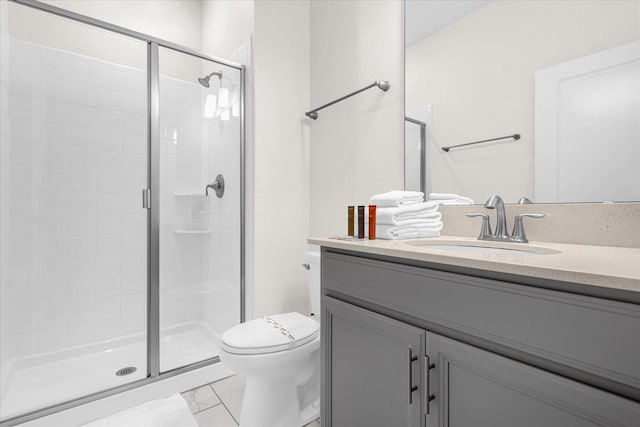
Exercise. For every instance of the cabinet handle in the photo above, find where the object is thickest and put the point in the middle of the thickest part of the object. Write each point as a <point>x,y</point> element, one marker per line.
<point>428,397</point>
<point>411,388</point>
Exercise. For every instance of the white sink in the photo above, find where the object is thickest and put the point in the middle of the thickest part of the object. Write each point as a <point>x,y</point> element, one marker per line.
<point>479,246</point>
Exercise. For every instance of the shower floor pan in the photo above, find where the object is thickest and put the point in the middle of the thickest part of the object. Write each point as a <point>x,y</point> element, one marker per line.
<point>35,382</point>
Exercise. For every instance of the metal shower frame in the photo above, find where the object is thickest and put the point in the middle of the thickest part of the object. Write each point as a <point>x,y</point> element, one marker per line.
<point>153,214</point>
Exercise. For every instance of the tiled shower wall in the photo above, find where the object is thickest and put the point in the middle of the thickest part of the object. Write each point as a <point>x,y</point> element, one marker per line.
<point>73,231</point>
<point>74,160</point>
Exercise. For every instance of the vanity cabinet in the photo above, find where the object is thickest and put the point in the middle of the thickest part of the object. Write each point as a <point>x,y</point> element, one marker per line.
<point>405,345</point>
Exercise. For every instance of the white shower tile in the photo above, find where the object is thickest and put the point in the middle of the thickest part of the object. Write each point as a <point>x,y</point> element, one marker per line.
<point>52,293</point>
<point>54,134</point>
<point>55,65</point>
<point>18,345</point>
<point>83,116</point>
<point>23,83</point>
<point>24,58</point>
<point>108,266</point>
<point>20,320</point>
<point>54,270</point>
<point>84,72</point>
<point>134,144</point>
<point>55,89</point>
<point>83,246</point>
<point>109,225</point>
<point>54,179</point>
<point>81,289</point>
<point>53,339</point>
<point>82,159</point>
<point>22,296</point>
<point>82,180</point>
<point>82,268</point>
<point>82,203</point>
<point>110,99</point>
<point>83,94</point>
<point>82,225</point>
<point>54,224</point>
<point>134,104</point>
<point>54,247</point>
<point>81,333</point>
<point>52,111</point>
<point>109,141</point>
<point>108,161</point>
<point>107,328</point>
<point>81,311</point>
<point>109,77</point>
<point>23,107</point>
<point>55,157</point>
<point>21,155</point>
<point>109,120</point>
<point>108,285</point>
<point>22,130</point>
<point>108,182</point>
<point>54,202</point>
<point>108,306</point>
<point>135,82</point>
<point>108,245</point>
<point>81,137</point>
<point>135,124</point>
<point>109,203</point>
<point>53,315</point>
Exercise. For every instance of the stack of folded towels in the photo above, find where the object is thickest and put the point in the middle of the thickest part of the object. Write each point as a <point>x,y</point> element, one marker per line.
<point>448,199</point>
<point>405,215</point>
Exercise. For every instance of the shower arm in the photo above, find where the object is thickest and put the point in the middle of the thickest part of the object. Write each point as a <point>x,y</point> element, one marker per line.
<point>381,84</point>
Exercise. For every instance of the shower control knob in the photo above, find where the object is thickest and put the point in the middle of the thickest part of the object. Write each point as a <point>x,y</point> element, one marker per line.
<point>217,186</point>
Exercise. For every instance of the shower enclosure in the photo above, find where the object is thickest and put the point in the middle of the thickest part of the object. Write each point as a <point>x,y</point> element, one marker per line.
<point>121,220</point>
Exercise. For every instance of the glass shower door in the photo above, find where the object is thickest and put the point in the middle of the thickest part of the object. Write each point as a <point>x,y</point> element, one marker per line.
<point>200,135</point>
<point>73,232</point>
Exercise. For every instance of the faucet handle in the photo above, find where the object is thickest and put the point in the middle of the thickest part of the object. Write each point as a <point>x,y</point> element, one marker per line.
<point>518,234</point>
<point>524,201</point>
<point>485,231</point>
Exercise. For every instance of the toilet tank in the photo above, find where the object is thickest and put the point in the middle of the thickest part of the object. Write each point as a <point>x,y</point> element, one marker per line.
<point>313,278</point>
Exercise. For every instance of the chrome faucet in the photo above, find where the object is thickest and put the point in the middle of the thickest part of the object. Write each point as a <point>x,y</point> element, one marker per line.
<point>501,234</point>
<point>495,202</point>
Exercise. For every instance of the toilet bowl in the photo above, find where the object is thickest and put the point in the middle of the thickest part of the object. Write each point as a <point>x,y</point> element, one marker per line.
<point>280,357</point>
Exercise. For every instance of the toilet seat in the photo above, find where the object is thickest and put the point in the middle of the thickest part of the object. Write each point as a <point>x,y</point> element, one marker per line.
<point>270,334</point>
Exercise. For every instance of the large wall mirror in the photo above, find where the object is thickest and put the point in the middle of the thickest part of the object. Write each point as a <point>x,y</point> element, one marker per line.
<point>562,75</point>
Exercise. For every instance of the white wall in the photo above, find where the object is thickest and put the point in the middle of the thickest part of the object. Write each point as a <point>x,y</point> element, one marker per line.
<point>356,145</point>
<point>478,74</point>
<point>226,25</point>
<point>281,162</point>
<point>178,21</point>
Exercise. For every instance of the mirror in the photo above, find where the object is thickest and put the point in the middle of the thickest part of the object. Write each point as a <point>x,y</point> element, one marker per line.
<point>563,75</point>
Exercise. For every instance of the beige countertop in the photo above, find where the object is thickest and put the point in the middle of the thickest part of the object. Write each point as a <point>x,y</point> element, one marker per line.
<point>601,266</point>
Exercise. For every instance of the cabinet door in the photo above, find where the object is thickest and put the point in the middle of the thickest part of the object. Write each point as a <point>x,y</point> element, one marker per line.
<point>371,368</point>
<point>473,387</point>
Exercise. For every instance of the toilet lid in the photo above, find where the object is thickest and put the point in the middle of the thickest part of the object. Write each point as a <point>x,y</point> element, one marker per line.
<point>270,334</point>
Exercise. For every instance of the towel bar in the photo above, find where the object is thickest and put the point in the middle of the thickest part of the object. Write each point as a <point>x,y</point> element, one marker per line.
<point>515,136</point>
<point>382,84</point>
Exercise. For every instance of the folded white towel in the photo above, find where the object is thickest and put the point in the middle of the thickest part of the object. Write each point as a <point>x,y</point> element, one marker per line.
<point>412,231</point>
<point>450,199</point>
<point>170,412</point>
<point>410,214</point>
<point>396,198</point>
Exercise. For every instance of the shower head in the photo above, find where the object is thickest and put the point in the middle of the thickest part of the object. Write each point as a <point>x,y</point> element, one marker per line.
<point>204,81</point>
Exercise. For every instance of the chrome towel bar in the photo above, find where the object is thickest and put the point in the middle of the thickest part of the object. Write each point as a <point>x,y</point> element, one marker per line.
<point>515,136</point>
<point>382,84</point>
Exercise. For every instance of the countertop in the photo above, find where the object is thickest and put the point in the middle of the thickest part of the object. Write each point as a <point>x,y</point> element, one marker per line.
<point>600,266</point>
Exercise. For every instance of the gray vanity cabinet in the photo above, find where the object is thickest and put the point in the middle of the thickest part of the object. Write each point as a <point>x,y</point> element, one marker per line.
<point>374,368</point>
<point>404,345</point>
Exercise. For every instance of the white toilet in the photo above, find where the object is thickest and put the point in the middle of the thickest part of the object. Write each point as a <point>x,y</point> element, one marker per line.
<point>280,357</point>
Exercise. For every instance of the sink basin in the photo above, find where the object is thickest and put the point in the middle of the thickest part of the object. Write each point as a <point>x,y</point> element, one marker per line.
<point>478,246</point>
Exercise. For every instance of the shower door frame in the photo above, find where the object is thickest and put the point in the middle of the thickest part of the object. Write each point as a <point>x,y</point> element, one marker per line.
<point>153,211</point>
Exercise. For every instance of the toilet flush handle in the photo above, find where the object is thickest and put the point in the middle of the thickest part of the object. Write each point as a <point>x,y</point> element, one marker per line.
<point>306,266</point>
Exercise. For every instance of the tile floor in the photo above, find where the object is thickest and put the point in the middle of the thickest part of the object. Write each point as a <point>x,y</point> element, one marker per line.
<point>218,404</point>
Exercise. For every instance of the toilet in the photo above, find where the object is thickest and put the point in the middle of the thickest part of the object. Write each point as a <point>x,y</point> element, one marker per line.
<point>280,357</point>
